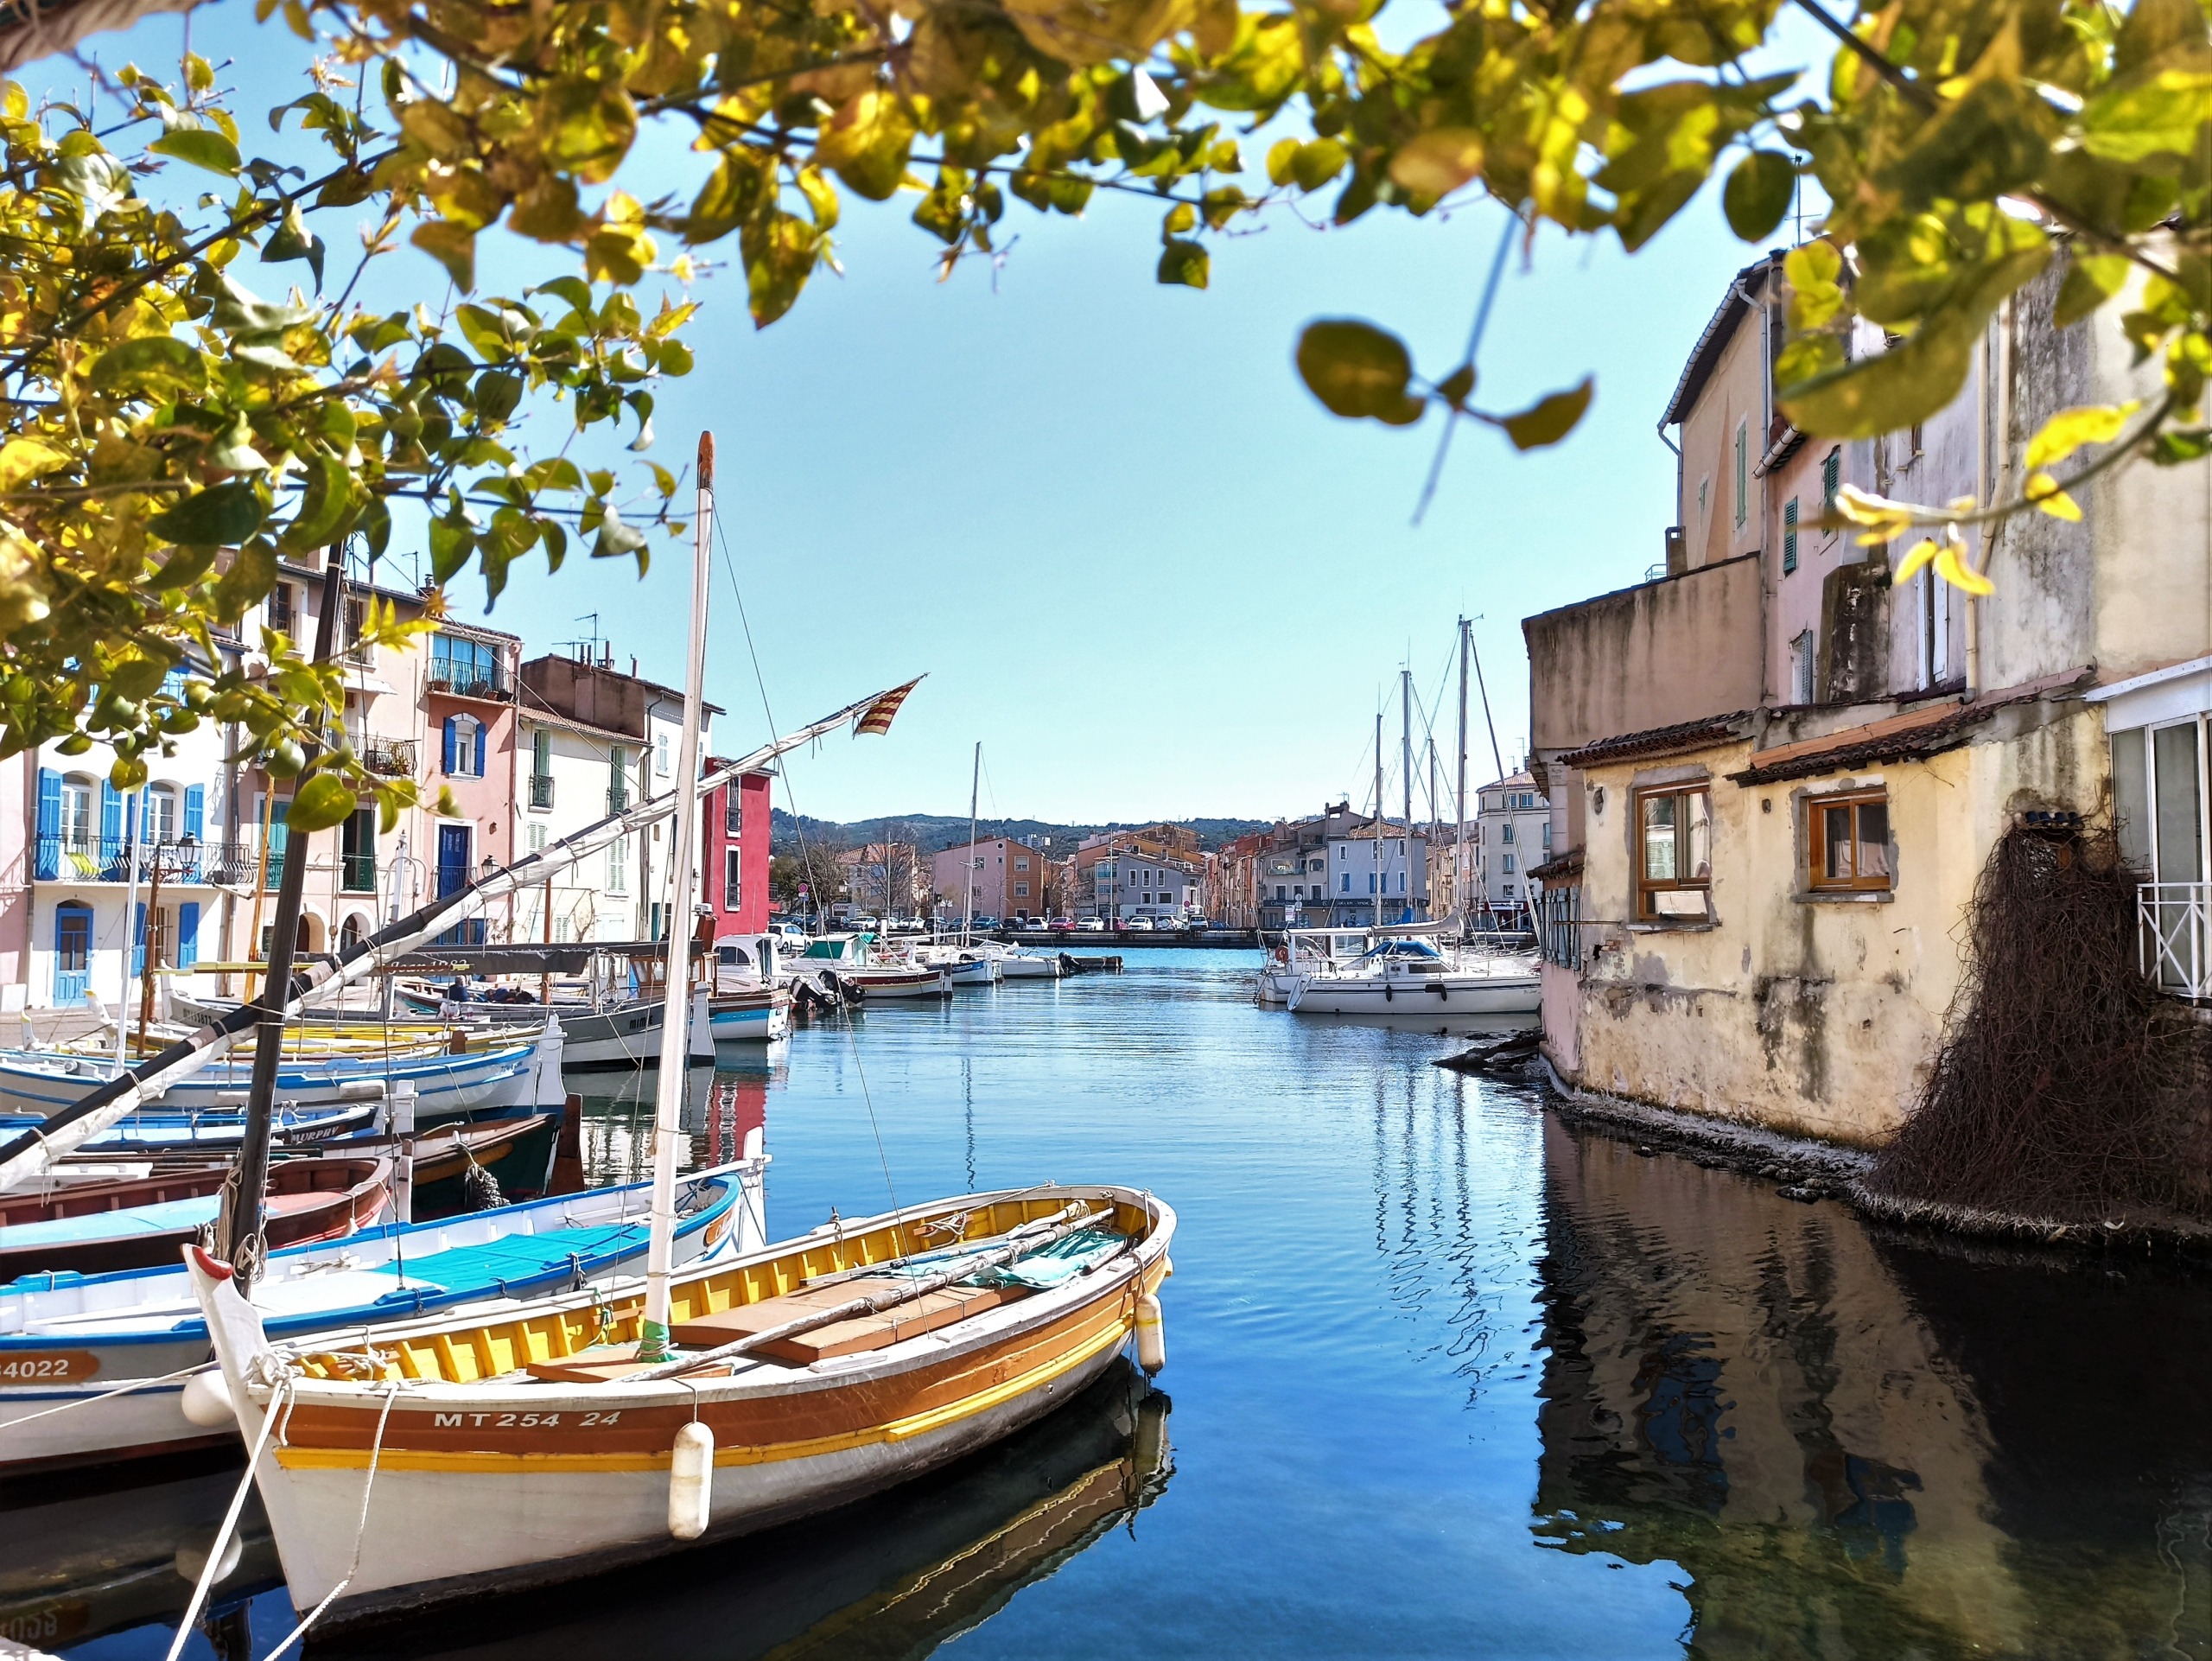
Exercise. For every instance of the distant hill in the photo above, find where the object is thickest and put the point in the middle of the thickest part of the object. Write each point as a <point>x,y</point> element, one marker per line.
<point>933,831</point>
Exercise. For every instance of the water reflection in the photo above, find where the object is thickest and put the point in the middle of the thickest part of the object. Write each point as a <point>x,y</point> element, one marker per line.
<point>1860,1447</point>
<point>896,1575</point>
<point>99,1552</point>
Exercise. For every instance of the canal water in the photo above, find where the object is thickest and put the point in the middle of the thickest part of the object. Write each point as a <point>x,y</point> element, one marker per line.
<point>1446,1377</point>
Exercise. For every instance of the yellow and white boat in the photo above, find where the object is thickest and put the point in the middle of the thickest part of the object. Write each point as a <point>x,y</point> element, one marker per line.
<point>459,1456</point>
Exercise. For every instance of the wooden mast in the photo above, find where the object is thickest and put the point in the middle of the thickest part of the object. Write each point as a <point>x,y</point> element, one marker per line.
<point>676,1000</point>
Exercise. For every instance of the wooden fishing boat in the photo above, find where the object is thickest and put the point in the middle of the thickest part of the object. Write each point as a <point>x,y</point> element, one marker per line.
<point>95,1228</point>
<point>531,1446</point>
<point>875,985</point>
<point>153,1133</point>
<point>68,1340</point>
<point>517,1152</point>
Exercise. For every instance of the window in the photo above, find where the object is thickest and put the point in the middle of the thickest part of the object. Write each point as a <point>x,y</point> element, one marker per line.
<point>1790,536</point>
<point>660,756</point>
<point>536,842</point>
<point>1022,891</point>
<point>541,769</point>
<point>1279,896</point>
<point>1347,884</point>
<point>1021,862</point>
<point>470,668</point>
<point>618,866</point>
<point>618,779</point>
<point>357,852</point>
<point>1547,835</point>
<point>733,876</point>
<point>355,619</point>
<point>1507,865</point>
<point>77,814</point>
<point>282,614</point>
<point>1831,480</point>
<point>72,939</point>
<point>1802,658</point>
<point>1743,472</point>
<point>1847,842</point>
<point>733,810</point>
<point>464,747</point>
<point>1505,832</point>
<point>1673,852</point>
<point>161,815</point>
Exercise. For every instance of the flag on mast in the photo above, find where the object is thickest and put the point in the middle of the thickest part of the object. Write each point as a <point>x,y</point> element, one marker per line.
<point>877,718</point>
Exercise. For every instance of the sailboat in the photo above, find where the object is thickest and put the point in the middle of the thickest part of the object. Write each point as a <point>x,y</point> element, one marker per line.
<point>583,1430</point>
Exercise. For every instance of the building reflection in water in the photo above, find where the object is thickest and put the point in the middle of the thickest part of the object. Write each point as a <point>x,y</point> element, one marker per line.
<point>1863,1446</point>
<point>722,1105</point>
<point>895,1576</point>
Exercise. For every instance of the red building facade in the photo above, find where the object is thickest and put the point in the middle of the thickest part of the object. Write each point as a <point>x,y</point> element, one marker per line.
<point>735,867</point>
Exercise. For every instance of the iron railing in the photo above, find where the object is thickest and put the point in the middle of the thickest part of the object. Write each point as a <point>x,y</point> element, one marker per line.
<point>357,873</point>
<point>107,859</point>
<point>1559,926</point>
<point>541,790</point>
<point>2174,937</point>
<point>389,758</point>
<point>462,682</point>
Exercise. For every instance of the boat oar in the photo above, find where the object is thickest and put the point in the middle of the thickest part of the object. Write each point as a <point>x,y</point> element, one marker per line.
<point>855,1307</point>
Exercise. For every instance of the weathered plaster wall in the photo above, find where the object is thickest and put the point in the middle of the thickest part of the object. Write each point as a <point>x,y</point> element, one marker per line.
<point>1675,650</point>
<point>1816,1017</point>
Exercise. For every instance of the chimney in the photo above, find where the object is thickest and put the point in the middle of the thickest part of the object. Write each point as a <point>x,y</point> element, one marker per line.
<point>634,665</point>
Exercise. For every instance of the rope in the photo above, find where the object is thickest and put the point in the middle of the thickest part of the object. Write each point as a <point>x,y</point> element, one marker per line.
<point>109,1395</point>
<point>209,1572</point>
<point>360,1532</point>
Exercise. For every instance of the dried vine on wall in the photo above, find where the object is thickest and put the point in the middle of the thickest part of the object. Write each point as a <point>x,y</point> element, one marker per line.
<point>2068,1088</point>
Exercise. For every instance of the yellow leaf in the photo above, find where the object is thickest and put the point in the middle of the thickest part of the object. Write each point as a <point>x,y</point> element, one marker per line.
<point>2068,430</point>
<point>23,459</point>
<point>1923,553</point>
<point>1438,162</point>
<point>1951,565</point>
<point>2044,492</point>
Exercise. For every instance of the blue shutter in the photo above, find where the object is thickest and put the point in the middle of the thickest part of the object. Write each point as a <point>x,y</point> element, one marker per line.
<point>479,749</point>
<point>196,812</point>
<point>188,933</point>
<point>111,820</point>
<point>47,859</point>
<point>451,733</point>
<point>138,941</point>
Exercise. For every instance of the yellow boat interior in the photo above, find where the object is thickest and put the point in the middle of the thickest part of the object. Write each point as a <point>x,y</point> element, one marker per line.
<point>581,1340</point>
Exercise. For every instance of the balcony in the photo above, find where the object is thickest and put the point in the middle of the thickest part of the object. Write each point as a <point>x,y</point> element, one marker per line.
<point>541,790</point>
<point>2175,938</point>
<point>107,859</point>
<point>618,798</point>
<point>389,758</point>
<point>357,873</point>
<point>457,680</point>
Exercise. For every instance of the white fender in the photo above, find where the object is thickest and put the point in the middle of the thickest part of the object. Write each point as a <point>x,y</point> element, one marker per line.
<point>691,1481</point>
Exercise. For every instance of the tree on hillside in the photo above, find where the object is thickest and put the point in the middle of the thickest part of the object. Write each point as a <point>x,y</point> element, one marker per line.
<point>176,420</point>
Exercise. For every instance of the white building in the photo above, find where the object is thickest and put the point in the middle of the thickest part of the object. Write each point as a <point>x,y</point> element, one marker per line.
<point>1512,836</point>
<point>1356,897</point>
<point>1130,884</point>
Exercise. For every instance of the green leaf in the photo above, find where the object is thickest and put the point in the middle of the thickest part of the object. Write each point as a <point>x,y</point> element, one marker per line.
<point>293,241</point>
<point>152,362</point>
<point>252,573</point>
<point>728,198</point>
<point>453,246</point>
<point>1454,388</point>
<point>1183,262</point>
<point>1357,369</point>
<point>1280,156</point>
<point>223,516</point>
<point>453,539</point>
<point>2161,116</point>
<point>202,147</point>
<point>1757,194</point>
<point>1317,163</point>
<point>322,802</point>
<point>616,538</point>
<point>326,506</point>
<point>1987,143</point>
<point>587,126</point>
<point>1437,162</point>
<point>1550,419</point>
<point>1180,217</point>
<point>2091,279</point>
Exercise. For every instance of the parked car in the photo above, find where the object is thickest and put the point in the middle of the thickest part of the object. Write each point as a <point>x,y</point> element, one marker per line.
<point>1091,926</point>
<point>1137,926</point>
<point>1062,925</point>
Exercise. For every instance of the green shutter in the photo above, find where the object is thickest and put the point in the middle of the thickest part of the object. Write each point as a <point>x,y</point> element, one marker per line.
<point>1789,535</point>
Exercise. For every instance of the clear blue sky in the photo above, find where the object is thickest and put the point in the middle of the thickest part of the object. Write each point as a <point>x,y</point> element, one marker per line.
<point>1137,560</point>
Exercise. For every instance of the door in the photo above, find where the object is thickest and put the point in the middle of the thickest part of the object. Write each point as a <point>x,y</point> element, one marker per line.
<point>72,953</point>
<point>454,875</point>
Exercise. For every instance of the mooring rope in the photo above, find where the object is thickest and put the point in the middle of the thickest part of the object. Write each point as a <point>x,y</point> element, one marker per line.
<point>110,1395</point>
<point>360,1532</point>
<point>210,1571</point>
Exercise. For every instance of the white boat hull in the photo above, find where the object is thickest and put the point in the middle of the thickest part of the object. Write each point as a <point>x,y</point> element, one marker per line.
<point>629,1036</point>
<point>1445,994</point>
<point>875,985</point>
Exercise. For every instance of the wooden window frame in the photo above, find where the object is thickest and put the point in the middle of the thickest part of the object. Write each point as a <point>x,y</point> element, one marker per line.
<point>1818,879</point>
<point>1647,909</point>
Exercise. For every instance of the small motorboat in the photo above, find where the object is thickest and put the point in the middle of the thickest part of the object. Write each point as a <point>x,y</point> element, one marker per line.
<point>749,1015</point>
<point>529,1444</point>
<point>1411,976</point>
<point>876,985</point>
<point>95,1228</point>
<point>68,1340</point>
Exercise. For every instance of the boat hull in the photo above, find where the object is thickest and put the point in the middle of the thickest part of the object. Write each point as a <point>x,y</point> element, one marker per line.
<point>514,1484</point>
<point>750,1018</point>
<point>875,985</point>
<point>627,1036</point>
<point>1448,995</point>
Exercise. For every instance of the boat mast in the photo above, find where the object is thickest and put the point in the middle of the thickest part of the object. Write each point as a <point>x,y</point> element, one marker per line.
<point>1459,799</point>
<point>968,885</point>
<point>1378,818</point>
<point>676,1004</point>
<point>1406,768</point>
